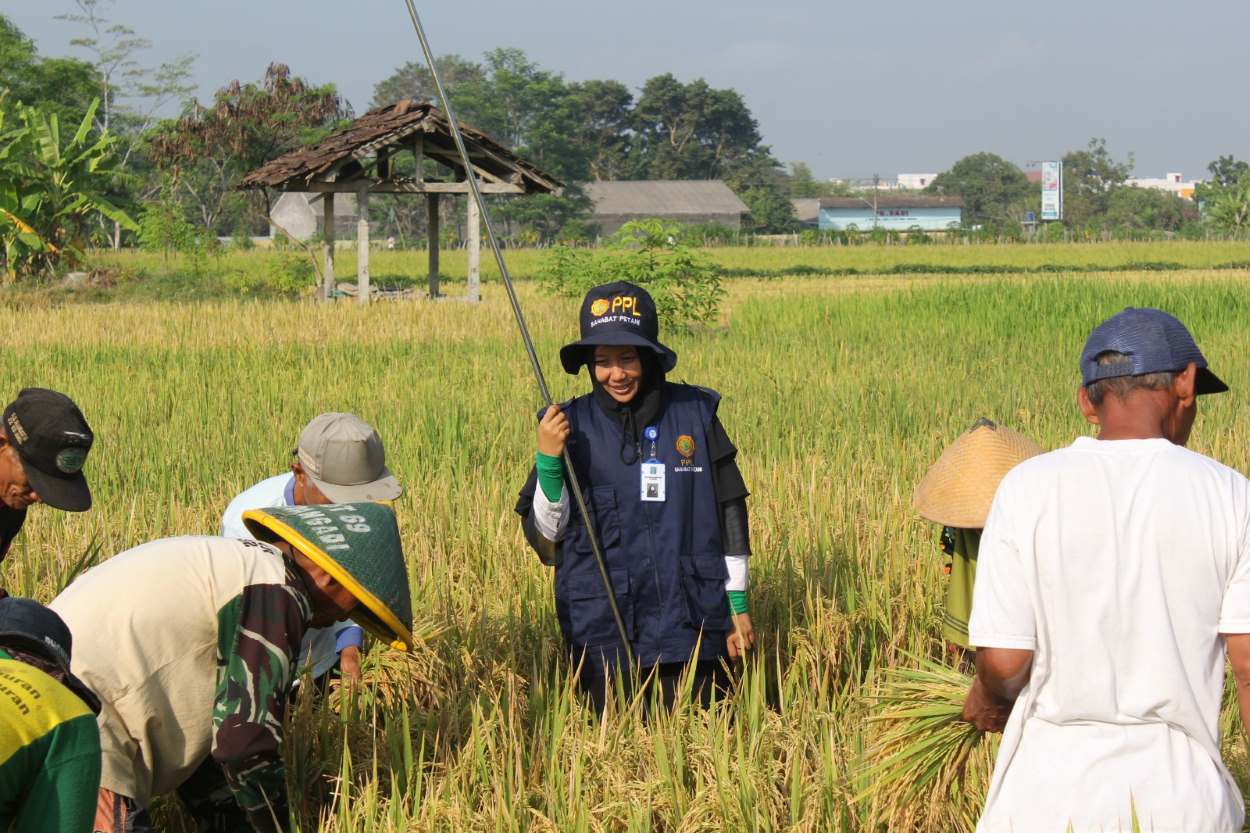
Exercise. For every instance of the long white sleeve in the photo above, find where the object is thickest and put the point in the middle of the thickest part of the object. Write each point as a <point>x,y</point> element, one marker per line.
<point>738,573</point>
<point>550,519</point>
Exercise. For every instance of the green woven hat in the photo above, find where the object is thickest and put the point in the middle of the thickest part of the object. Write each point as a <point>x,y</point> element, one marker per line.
<point>358,545</point>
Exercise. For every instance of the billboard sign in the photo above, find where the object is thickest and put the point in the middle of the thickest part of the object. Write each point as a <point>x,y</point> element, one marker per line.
<point>1052,190</point>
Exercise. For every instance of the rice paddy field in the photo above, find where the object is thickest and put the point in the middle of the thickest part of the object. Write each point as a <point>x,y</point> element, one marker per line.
<point>840,388</point>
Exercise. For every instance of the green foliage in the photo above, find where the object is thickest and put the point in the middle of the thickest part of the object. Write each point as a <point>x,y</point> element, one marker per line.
<point>596,130</point>
<point>1089,177</point>
<point>63,87</point>
<point>50,189</point>
<point>760,183</point>
<point>1148,208</point>
<point>206,151</point>
<point>1229,209</point>
<point>994,191</point>
<point>163,227</point>
<point>685,283</point>
<point>283,275</point>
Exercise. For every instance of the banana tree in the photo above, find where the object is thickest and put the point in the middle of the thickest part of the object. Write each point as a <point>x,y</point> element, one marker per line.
<point>51,191</point>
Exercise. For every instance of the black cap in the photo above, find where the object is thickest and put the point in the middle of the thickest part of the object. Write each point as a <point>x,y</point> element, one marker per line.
<point>52,439</point>
<point>617,314</point>
<point>27,625</point>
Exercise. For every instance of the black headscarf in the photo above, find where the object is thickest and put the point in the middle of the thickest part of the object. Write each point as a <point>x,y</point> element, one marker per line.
<point>636,414</point>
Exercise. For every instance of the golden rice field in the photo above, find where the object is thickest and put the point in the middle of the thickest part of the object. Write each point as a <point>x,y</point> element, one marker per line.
<point>839,391</point>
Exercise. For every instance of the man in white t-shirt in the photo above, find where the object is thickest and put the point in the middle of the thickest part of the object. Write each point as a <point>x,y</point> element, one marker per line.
<point>340,459</point>
<point>1112,577</point>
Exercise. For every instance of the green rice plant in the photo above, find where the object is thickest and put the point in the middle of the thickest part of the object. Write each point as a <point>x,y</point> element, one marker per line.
<point>840,392</point>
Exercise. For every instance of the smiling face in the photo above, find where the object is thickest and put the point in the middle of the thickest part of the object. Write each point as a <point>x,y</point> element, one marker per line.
<point>619,370</point>
<point>15,490</point>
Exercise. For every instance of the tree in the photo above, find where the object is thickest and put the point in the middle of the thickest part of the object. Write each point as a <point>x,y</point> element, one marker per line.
<point>206,151</point>
<point>802,183</point>
<point>1229,209</point>
<point>605,136</point>
<point>63,87</point>
<point>1148,208</point>
<point>130,94</point>
<point>531,110</point>
<point>1227,171</point>
<point>760,182</point>
<point>414,81</point>
<point>50,190</point>
<point>1089,176</point>
<point>691,131</point>
<point>994,191</point>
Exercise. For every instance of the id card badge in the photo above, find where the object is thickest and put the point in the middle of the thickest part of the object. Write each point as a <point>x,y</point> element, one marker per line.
<point>653,482</point>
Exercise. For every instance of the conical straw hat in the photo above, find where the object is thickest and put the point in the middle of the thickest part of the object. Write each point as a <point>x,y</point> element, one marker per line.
<point>959,488</point>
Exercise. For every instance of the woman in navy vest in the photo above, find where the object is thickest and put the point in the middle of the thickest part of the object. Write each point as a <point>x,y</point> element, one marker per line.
<point>666,499</point>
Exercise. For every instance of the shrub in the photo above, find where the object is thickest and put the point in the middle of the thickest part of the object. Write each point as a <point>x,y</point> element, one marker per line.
<point>285,275</point>
<point>686,284</point>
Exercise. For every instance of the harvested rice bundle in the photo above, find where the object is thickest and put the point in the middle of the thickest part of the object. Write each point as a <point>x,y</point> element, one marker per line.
<point>924,768</point>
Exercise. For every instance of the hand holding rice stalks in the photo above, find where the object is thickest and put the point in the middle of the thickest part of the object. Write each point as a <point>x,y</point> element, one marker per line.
<point>925,769</point>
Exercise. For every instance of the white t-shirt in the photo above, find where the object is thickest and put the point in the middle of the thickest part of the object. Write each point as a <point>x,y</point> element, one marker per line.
<point>1119,563</point>
<point>320,648</point>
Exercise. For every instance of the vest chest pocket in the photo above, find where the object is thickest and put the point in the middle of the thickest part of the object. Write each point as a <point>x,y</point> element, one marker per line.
<point>703,584</point>
<point>601,501</point>
<point>590,616</point>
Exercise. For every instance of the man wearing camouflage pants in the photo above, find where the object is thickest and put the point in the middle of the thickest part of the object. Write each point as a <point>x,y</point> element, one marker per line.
<point>191,644</point>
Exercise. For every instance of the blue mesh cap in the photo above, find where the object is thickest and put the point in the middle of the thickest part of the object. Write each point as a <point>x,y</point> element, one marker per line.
<point>1154,341</point>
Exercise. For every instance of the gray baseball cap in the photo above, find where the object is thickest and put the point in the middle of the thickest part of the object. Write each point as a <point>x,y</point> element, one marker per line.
<point>343,456</point>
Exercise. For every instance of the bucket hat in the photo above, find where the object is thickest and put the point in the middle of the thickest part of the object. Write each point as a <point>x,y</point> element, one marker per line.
<point>344,458</point>
<point>617,314</point>
<point>959,488</point>
<point>358,545</point>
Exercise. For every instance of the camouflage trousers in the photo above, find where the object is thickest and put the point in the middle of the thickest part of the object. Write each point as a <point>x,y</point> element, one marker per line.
<point>205,795</point>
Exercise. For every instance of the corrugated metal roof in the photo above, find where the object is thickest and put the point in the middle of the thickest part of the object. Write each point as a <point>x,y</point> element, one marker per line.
<point>389,125</point>
<point>806,209</point>
<point>892,201</point>
<point>663,197</point>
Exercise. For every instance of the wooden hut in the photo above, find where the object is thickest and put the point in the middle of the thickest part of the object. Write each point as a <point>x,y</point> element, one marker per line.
<point>359,160</point>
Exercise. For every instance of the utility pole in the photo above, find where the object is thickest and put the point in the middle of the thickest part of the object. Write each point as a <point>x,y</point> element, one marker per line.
<point>876,181</point>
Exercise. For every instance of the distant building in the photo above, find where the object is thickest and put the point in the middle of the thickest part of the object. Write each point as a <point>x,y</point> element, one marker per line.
<point>682,201</point>
<point>807,210</point>
<point>893,212</point>
<point>1173,182</point>
<point>915,182</point>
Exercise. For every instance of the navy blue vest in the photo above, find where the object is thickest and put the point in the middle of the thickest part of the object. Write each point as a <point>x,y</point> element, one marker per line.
<point>665,559</point>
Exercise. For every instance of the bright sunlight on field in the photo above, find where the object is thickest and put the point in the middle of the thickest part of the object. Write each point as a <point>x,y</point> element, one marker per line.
<point>839,393</point>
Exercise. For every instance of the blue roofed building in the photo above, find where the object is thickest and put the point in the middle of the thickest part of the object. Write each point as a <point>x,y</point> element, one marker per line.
<point>893,212</point>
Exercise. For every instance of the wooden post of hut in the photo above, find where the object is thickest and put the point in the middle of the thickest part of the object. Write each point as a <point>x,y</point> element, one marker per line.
<point>474,223</point>
<point>361,159</point>
<point>362,243</point>
<point>431,218</point>
<point>327,234</point>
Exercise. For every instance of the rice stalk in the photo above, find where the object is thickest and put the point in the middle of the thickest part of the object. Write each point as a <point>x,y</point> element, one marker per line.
<point>924,767</point>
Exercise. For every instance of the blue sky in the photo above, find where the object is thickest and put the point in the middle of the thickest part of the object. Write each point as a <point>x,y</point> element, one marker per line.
<point>850,88</point>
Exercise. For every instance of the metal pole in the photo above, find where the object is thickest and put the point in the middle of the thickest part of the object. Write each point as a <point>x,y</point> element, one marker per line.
<point>475,194</point>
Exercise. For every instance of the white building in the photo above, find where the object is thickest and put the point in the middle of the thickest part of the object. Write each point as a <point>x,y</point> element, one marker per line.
<point>915,182</point>
<point>1172,182</point>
